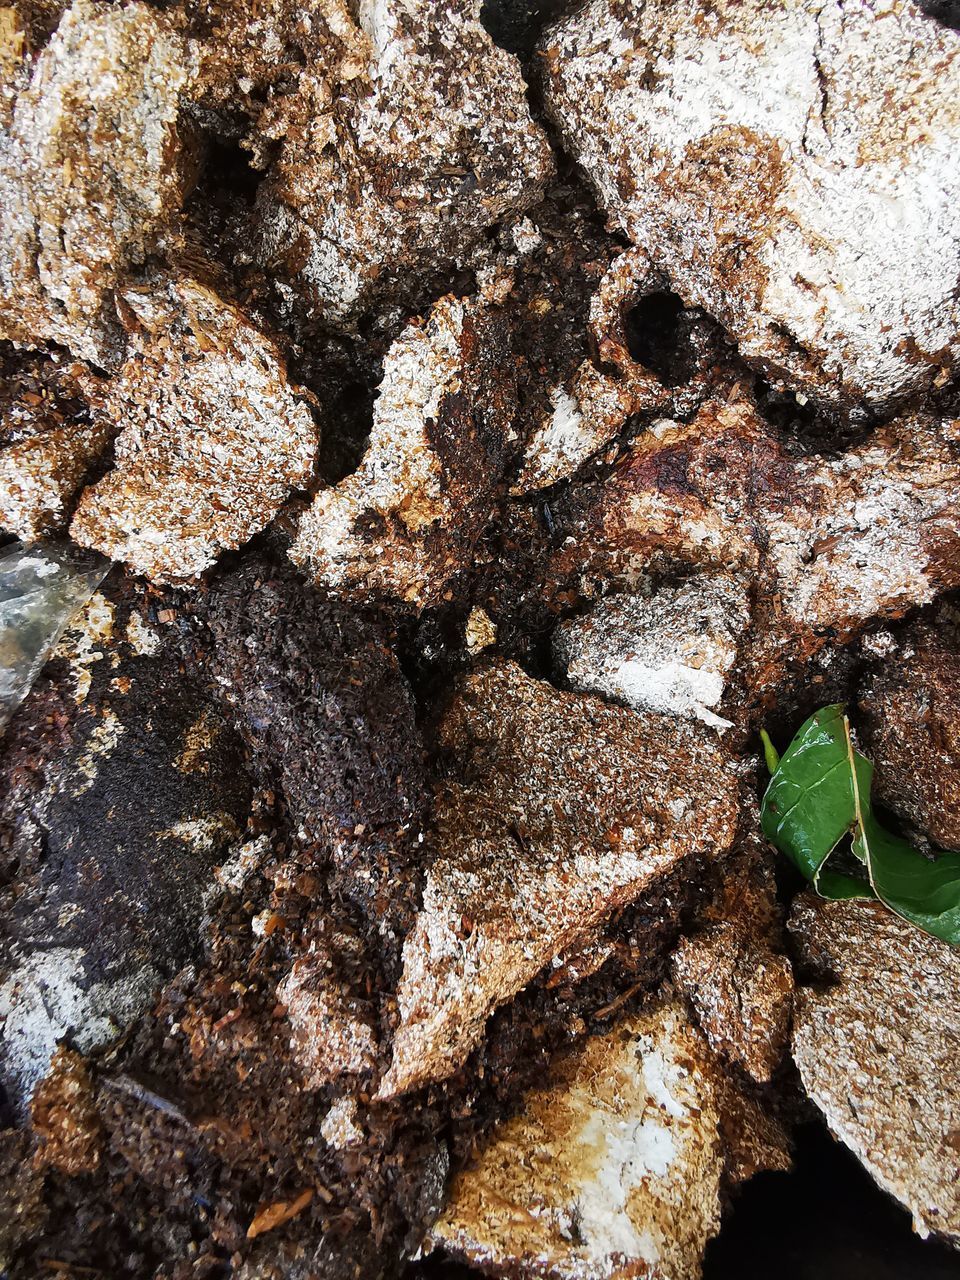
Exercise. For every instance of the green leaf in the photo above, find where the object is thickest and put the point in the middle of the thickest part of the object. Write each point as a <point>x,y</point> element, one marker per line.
<point>926,892</point>
<point>770,753</point>
<point>809,807</point>
<point>820,792</point>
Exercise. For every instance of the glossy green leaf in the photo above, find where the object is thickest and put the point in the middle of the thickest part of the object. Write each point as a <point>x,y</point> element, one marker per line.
<point>818,793</point>
<point>924,891</point>
<point>809,807</point>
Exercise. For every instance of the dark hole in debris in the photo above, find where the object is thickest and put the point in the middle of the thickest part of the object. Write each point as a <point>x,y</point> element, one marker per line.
<point>657,337</point>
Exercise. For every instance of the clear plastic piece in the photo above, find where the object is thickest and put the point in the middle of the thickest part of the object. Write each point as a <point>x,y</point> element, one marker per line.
<point>41,588</point>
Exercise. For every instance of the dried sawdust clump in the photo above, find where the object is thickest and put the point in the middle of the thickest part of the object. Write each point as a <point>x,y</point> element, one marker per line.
<point>213,438</point>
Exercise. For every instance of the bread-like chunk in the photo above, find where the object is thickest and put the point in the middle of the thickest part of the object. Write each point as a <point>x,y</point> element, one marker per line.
<point>407,136</point>
<point>909,720</point>
<point>876,1045</point>
<point>827,543</point>
<point>613,1169</point>
<point>93,165</point>
<point>562,808</point>
<point>747,147</point>
<point>213,438</point>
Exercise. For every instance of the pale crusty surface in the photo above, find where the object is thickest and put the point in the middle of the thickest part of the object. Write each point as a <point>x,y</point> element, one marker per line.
<point>741,992</point>
<point>828,543</point>
<point>748,148</point>
<point>877,1049</point>
<point>92,167</point>
<point>42,467</point>
<point>393,156</point>
<point>669,652</point>
<point>407,519</point>
<point>213,439</point>
<point>562,809</point>
<point>612,1170</point>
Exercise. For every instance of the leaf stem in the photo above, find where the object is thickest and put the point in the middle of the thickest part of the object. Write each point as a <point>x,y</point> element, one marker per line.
<point>770,753</point>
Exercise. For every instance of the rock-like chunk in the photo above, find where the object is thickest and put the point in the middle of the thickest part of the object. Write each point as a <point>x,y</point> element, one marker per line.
<point>828,543</point>
<point>392,160</point>
<point>408,518</point>
<point>213,439</point>
<point>561,809</point>
<point>49,441</point>
<point>748,149</point>
<point>612,1170</point>
<point>876,1046</point>
<point>332,1035</point>
<point>910,725</point>
<point>670,652</point>
<point>742,993</point>
<point>91,169</point>
<point>64,1114</point>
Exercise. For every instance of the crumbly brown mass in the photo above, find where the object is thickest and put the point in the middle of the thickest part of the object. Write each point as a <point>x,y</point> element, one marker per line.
<point>910,704</point>
<point>380,854</point>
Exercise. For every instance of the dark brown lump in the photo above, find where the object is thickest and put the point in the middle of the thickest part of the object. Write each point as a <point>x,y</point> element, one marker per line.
<point>330,722</point>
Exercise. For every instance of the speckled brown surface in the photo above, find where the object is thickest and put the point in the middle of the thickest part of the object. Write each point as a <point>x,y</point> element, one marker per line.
<point>396,795</point>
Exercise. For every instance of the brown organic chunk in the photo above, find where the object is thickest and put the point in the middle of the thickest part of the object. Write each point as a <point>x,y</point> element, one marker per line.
<point>43,461</point>
<point>741,992</point>
<point>613,1169</point>
<point>747,147</point>
<point>407,520</point>
<point>332,1036</point>
<point>876,1046</point>
<point>213,438</point>
<point>561,808</point>
<point>65,1116</point>
<point>910,724</point>
<point>92,168</point>
<point>393,158</point>
<point>591,406</point>
<point>830,543</point>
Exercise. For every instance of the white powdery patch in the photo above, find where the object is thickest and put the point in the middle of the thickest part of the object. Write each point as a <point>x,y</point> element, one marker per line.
<point>626,1164</point>
<point>671,652</point>
<point>47,997</point>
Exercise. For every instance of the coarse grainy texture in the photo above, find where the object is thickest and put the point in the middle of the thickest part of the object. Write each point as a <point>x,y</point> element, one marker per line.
<point>875,1040</point>
<point>65,1117</point>
<point>332,1035</point>
<point>114,837</point>
<point>829,543</point>
<point>741,992</point>
<point>48,445</point>
<point>407,519</point>
<point>212,437</point>
<point>909,721</point>
<point>748,149</point>
<point>669,652</point>
<point>391,160</point>
<point>559,809</point>
<point>612,1169</point>
<point>318,695</point>
<point>93,165</point>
